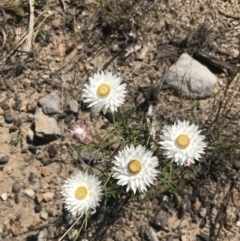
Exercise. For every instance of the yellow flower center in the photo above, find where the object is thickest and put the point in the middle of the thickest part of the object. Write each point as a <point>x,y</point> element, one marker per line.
<point>134,166</point>
<point>103,90</point>
<point>81,192</point>
<point>183,141</point>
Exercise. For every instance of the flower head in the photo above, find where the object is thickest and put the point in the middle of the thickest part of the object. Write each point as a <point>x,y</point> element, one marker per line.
<point>136,168</point>
<point>182,143</point>
<point>104,92</point>
<point>81,192</point>
<point>80,133</point>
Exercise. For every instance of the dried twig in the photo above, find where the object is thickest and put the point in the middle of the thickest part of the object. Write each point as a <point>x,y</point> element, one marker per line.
<point>3,37</point>
<point>28,45</point>
<point>228,15</point>
<point>70,228</point>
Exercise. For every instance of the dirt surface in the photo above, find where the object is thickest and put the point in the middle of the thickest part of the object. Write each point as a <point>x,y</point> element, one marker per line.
<point>69,42</point>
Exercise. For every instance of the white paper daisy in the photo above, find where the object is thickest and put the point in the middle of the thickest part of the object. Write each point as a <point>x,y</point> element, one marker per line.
<point>81,192</point>
<point>182,143</point>
<point>104,92</point>
<point>136,168</point>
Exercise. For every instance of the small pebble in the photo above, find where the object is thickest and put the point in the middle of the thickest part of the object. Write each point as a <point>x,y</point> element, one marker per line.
<point>202,212</point>
<point>57,195</point>
<point>170,238</point>
<point>73,105</point>
<point>115,48</point>
<point>81,67</point>
<point>8,116</point>
<point>42,236</point>
<point>15,230</point>
<point>13,128</point>
<point>9,170</point>
<point>42,155</point>
<point>184,238</point>
<point>18,217</point>
<point>62,115</point>
<point>5,107</point>
<point>30,193</point>
<point>17,122</point>
<point>56,23</point>
<point>16,198</point>
<point>31,177</point>
<point>44,215</point>
<point>38,208</point>
<point>236,165</point>
<point>160,220</point>
<point>32,149</point>
<point>38,198</point>
<point>30,135</point>
<point>196,206</point>
<point>48,196</point>
<point>50,103</point>
<point>4,160</point>
<point>203,237</point>
<point>151,234</point>
<point>44,171</point>
<point>4,196</point>
<point>51,212</point>
<point>238,223</point>
<point>52,150</point>
<point>16,187</point>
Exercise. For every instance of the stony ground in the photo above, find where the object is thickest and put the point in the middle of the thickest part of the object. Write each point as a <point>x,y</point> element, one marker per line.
<point>70,41</point>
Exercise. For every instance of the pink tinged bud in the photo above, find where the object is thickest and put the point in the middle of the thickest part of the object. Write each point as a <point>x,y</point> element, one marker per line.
<point>189,165</point>
<point>80,133</point>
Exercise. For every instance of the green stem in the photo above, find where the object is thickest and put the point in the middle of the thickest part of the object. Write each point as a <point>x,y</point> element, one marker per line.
<point>105,184</point>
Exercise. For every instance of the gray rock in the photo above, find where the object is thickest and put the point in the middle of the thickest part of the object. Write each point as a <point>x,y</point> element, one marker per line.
<point>50,103</point>
<point>30,193</point>
<point>203,212</point>
<point>46,127</point>
<point>38,208</point>
<point>5,106</point>
<point>160,220</point>
<point>16,187</point>
<point>42,236</point>
<point>203,237</point>
<point>4,160</point>
<point>52,151</point>
<point>8,116</point>
<point>151,234</point>
<point>73,105</point>
<point>190,79</point>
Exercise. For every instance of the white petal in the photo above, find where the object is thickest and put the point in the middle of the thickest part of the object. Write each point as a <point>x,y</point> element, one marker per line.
<point>141,180</point>
<point>179,155</point>
<point>115,98</point>
<point>74,205</point>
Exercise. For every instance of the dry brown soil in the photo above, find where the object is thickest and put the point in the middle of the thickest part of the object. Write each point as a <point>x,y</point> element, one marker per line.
<point>71,40</point>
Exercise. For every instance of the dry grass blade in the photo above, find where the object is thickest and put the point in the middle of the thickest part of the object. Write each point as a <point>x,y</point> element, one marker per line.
<point>3,36</point>
<point>28,45</point>
<point>70,228</point>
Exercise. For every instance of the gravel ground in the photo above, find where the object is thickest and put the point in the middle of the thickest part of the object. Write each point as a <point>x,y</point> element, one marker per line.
<point>72,40</point>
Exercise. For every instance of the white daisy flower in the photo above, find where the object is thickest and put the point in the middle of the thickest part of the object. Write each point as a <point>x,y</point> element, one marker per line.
<point>104,92</point>
<point>182,143</point>
<point>81,192</point>
<point>136,168</point>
